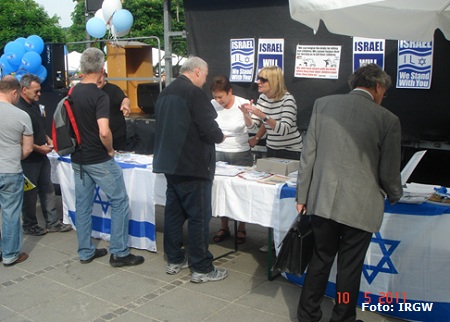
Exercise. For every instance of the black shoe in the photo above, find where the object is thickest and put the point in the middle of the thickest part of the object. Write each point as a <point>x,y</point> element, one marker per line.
<point>35,231</point>
<point>99,252</point>
<point>129,260</point>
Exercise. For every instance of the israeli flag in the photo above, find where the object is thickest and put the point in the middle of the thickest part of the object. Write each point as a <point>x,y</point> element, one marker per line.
<point>138,181</point>
<point>406,269</point>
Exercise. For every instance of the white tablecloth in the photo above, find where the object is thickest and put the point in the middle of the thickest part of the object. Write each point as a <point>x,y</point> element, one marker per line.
<point>140,184</point>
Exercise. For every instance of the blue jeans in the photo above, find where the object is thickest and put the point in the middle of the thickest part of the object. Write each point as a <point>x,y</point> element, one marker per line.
<point>11,198</point>
<point>188,198</point>
<point>109,177</point>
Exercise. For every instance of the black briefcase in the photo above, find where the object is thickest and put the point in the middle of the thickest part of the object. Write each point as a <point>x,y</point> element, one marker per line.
<point>296,248</point>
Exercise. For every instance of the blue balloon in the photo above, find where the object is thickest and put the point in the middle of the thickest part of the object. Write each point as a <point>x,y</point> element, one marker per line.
<point>96,27</point>
<point>41,73</point>
<point>31,61</point>
<point>6,67</point>
<point>122,20</point>
<point>21,40</point>
<point>19,74</point>
<point>34,43</point>
<point>14,52</point>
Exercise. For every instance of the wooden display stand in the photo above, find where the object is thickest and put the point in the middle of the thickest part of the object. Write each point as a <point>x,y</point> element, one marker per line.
<point>129,59</point>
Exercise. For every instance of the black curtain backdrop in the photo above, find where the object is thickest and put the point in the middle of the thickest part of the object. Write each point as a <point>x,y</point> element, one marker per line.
<point>424,114</point>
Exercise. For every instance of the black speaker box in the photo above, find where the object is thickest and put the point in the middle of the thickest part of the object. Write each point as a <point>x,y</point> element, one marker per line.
<point>53,60</point>
<point>50,99</point>
<point>147,94</point>
<point>93,5</point>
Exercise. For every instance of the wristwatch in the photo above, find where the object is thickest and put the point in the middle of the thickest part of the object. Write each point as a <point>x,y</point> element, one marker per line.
<point>266,119</point>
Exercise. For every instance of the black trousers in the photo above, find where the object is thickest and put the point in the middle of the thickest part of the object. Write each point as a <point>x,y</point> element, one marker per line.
<point>350,244</point>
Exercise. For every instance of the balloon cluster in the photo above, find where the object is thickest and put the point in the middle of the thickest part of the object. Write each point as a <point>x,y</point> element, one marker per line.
<point>110,17</point>
<point>23,56</point>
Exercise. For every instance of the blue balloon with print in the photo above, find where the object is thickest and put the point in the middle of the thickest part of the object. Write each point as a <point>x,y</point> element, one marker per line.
<point>34,43</point>
<point>31,61</point>
<point>96,27</point>
<point>6,67</point>
<point>41,72</point>
<point>14,52</point>
<point>122,20</point>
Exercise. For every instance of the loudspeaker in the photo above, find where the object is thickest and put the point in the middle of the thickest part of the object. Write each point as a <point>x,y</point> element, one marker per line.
<point>50,100</point>
<point>93,5</point>
<point>53,60</point>
<point>147,94</point>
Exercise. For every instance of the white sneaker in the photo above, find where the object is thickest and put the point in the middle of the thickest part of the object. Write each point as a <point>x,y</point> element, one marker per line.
<point>216,274</point>
<point>173,269</point>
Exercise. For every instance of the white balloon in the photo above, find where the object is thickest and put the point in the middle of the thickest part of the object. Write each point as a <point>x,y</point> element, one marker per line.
<point>99,14</point>
<point>116,33</point>
<point>109,7</point>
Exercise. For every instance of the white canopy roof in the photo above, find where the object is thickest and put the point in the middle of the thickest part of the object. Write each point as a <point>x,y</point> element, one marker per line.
<point>414,20</point>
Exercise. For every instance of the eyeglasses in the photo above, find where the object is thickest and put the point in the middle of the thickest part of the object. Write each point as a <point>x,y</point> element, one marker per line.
<point>262,79</point>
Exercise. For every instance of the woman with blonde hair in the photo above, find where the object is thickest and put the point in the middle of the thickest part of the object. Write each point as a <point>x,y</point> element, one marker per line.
<point>275,113</point>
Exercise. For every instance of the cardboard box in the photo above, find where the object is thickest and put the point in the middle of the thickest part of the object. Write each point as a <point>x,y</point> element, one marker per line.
<point>277,165</point>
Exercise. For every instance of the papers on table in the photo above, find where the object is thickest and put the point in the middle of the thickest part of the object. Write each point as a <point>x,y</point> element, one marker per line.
<point>224,169</point>
<point>127,157</point>
<point>275,179</point>
<point>416,193</point>
<point>254,175</point>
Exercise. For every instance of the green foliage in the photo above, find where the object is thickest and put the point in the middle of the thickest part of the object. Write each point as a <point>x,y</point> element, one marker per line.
<point>148,18</point>
<point>22,18</point>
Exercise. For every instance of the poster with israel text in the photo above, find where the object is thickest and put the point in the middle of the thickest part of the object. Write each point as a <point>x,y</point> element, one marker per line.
<point>368,51</point>
<point>242,52</point>
<point>270,53</point>
<point>415,61</point>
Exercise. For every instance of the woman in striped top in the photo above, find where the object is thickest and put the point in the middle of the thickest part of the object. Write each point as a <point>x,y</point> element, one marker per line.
<point>277,111</point>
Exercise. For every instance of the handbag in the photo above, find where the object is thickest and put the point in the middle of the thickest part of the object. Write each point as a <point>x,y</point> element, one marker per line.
<point>296,248</point>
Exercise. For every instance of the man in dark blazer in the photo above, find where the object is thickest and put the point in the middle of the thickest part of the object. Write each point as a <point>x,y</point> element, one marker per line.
<point>349,164</point>
<point>185,138</point>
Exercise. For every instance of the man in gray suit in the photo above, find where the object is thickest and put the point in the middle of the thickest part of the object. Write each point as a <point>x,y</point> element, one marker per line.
<point>349,164</point>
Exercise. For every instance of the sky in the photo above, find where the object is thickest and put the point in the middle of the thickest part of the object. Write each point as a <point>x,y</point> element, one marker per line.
<point>61,8</point>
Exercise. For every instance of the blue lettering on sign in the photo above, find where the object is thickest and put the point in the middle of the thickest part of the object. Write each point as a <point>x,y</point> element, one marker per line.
<point>270,48</point>
<point>369,46</point>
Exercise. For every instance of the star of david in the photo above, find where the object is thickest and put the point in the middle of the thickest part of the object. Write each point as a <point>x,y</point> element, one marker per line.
<point>385,264</point>
<point>98,200</point>
<point>422,61</point>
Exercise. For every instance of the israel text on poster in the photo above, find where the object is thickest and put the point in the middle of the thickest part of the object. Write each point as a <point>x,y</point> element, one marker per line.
<point>415,61</point>
<point>368,51</point>
<point>270,53</point>
<point>242,54</point>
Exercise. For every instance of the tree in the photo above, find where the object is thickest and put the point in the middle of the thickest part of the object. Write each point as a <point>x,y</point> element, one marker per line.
<point>148,18</point>
<point>23,18</point>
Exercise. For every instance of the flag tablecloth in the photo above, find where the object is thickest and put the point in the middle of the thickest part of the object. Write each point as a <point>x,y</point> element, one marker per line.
<point>407,266</point>
<point>139,182</point>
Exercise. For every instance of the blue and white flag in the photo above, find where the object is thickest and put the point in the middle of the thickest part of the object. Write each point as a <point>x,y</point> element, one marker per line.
<point>138,182</point>
<point>406,270</point>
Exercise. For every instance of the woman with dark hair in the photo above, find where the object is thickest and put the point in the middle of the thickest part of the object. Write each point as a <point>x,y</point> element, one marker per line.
<point>235,149</point>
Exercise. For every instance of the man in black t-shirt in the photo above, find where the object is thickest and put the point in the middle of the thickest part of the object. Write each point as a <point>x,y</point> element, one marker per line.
<point>93,164</point>
<point>36,167</point>
<point>119,107</point>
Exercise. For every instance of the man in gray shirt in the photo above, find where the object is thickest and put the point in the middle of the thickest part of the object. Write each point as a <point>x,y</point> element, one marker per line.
<point>16,143</point>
